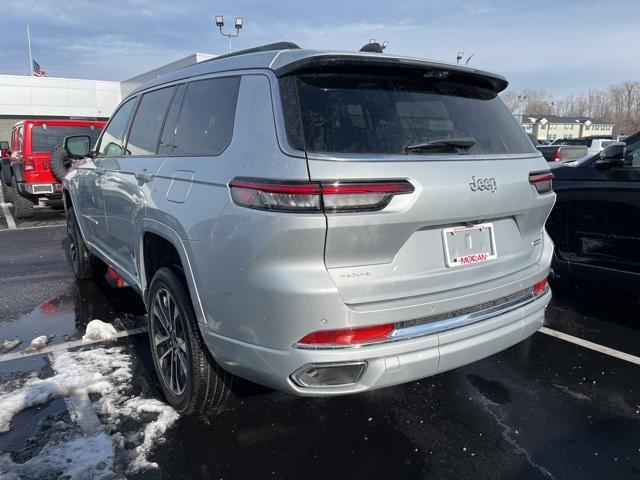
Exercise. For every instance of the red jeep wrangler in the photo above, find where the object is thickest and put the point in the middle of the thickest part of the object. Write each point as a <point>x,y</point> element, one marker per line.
<point>27,173</point>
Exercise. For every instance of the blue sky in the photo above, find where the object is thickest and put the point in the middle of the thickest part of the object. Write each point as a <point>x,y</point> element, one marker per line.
<point>561,46</point>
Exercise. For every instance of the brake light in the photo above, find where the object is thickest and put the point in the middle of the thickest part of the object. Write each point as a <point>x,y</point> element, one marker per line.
<point>309,197</point>
<point>347,336</point>
<point>541,287</point>
<point>558,155</point>
<point>27,164</point>
<point>542,181</point>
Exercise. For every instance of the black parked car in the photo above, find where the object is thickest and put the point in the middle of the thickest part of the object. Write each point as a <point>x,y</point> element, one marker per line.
<point>596,221</point>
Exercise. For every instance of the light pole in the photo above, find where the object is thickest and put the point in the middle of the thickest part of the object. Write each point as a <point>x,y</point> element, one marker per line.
<point>238,26</point>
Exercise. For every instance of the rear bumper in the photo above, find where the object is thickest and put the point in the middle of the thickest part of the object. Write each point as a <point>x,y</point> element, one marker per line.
<point>271,313</point>
<point>386,364</point>
<point>37,189</point>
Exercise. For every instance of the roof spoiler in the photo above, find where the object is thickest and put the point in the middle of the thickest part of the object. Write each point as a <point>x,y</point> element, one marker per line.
<point>262,48</point>
<point>346,62</point>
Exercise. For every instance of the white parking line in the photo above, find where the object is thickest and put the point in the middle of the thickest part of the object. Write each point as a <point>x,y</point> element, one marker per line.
<point>592,346</point>
<point>67,345</point>
<point>36,226</point>
<point>80,407</point>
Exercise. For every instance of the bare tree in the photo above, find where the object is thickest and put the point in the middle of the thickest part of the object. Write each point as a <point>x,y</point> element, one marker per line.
<point>619,104</point>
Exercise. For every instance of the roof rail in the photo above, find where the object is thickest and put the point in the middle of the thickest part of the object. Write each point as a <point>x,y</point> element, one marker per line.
<point>263,48</point>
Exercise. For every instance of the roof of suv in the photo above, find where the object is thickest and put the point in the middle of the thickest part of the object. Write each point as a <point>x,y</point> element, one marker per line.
<point>284,61</point>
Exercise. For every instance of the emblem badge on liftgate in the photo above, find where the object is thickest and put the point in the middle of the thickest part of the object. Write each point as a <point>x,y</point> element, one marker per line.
<point>490,184</point>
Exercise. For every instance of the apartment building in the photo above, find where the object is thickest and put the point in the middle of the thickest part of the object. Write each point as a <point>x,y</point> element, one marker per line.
<point>552,127</point>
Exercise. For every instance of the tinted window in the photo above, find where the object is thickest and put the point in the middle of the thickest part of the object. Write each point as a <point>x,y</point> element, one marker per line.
<point>577,141</point>
<point>169,129</point>
<point>112,141</point>
<point>348,113</point>
<point>44,139</point>
<point>205,125</point>
<point>146,126</point>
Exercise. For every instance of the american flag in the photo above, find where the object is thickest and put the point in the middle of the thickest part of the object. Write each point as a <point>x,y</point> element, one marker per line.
<point>38,71</point>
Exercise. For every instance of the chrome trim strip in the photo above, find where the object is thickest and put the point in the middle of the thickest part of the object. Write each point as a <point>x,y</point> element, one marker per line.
<point>425,329</point>
<point>463,320</point>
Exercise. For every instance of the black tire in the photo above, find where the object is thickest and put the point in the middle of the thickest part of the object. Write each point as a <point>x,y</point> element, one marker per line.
<point>60,162</point>
<point>85,265</point>
<point>22,207</point>
<point>7,191</point>
<point>176,343</point>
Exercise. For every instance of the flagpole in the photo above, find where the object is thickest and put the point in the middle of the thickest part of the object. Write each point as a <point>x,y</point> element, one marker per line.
<point>30,57</point>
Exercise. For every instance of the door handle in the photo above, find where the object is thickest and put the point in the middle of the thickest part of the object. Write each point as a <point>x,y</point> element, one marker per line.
<point>143,176</point>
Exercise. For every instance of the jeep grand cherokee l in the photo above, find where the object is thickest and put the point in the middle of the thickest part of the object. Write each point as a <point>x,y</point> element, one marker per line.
<point>322,223</point>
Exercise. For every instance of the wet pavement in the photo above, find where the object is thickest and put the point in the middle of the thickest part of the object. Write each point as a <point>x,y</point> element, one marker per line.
<point>544,408</point>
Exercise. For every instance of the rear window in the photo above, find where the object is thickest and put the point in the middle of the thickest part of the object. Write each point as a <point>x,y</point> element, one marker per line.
<point>205,124</point>
<point>45,138</point>
<point>381,114</point>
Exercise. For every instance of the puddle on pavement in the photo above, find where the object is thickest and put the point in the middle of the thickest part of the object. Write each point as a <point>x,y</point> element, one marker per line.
<point>65,316</point>
<point>493,391</point>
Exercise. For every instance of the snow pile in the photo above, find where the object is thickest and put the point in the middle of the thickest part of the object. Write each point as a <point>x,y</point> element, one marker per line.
<point>98,330</point>
<point>82,457</point>
<point>102,371</point>
<point>8,345</point>
<point>137,407</point>
<point>39,343</point>
<point>93,371</point>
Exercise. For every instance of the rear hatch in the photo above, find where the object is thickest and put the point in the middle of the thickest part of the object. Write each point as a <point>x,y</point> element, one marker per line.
<point>473,215</point>
<point>44,138</point>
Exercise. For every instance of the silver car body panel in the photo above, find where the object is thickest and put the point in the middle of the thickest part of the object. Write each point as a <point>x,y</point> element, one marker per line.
<point>260,280</point>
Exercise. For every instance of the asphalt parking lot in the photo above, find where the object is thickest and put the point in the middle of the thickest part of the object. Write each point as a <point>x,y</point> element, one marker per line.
<point>549,407</point>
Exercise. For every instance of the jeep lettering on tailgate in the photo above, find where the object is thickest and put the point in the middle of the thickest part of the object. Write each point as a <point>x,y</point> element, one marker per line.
<point>490,184</point>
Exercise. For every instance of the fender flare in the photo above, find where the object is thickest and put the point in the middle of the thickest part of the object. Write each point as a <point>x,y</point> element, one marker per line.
<point>149,225</point>
<point>6,171</point>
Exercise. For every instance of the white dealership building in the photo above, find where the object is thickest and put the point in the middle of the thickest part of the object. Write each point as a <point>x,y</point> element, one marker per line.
<point>23,97</point>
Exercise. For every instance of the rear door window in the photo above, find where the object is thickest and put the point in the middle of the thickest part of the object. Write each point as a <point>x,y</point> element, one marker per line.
<point>148,121</point>
<point>112,141</point>
<point>383,114</point>
<point>205,124</point>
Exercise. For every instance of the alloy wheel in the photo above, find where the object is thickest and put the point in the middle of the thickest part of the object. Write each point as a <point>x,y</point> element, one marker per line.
<point>169,342</point>
<point>73,243</point>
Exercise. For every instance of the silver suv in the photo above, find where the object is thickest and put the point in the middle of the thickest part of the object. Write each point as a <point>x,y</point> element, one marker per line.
<point>322,223</point>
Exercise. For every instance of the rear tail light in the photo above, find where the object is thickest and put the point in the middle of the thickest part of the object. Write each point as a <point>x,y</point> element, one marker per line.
<point>346,337</point>
<point>541,287</point>
<point>558,155</point>
<point>27,164</point>
<point>306,197</point>
<point>542,181</point>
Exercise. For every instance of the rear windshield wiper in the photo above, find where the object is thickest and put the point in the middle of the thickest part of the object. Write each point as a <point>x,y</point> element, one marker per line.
<point>444,145</point>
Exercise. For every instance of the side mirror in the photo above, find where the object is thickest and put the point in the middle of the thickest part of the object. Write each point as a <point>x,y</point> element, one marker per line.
<point>4,145</point>
<point>612,155</point>
<point>78,145</point>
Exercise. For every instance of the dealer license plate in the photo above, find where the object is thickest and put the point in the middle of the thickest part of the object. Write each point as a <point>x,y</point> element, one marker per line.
<point>469,245</point>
